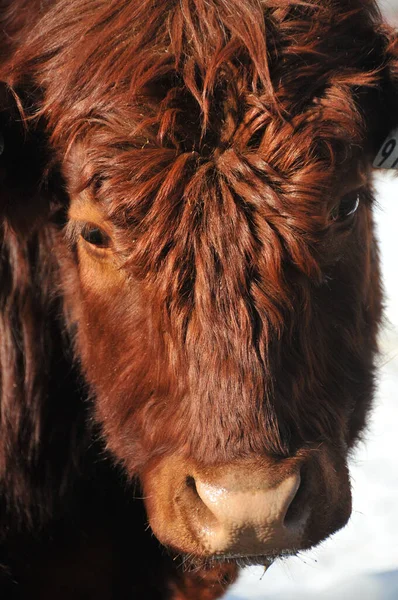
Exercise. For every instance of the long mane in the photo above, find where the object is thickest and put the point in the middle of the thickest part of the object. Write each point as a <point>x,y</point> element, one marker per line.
<point>42,420</point>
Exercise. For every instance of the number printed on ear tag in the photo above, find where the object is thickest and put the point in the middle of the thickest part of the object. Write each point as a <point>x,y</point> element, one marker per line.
<point>387,157</point>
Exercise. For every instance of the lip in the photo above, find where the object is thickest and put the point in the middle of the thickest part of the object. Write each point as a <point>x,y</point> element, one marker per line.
<point>190,562</point>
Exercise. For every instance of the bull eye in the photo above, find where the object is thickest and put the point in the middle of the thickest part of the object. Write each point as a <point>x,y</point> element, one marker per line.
<point>95,236</point>
<point>347,207</point>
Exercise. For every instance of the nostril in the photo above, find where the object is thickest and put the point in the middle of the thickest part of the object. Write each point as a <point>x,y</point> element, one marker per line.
<point>296,509</point>
<point>199,507</point>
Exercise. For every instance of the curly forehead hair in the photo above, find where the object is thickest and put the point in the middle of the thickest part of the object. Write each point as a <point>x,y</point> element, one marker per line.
<point>190,99</point>
<point>196,76</point>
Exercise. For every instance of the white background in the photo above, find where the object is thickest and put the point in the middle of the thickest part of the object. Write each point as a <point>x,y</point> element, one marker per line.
<point>361,561</point>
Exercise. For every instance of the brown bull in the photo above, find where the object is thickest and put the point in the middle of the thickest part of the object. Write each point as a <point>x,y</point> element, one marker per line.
<point>190,291</point>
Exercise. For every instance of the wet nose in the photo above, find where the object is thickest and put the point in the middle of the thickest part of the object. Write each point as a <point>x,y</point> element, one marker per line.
<point>242,515</point>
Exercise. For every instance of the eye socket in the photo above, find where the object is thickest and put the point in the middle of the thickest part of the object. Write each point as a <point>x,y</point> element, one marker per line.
<point>95,236</point>
<point>347,207</point>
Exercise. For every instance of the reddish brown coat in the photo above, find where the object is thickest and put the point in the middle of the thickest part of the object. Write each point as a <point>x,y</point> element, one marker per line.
<point>229,308</point>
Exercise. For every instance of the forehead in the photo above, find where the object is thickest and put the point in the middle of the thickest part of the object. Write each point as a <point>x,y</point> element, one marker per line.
<point>277,127</point>
<point>288,172</point>
<point>280,75</point>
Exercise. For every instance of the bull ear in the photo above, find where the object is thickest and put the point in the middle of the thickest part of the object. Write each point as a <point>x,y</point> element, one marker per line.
<point>23,160</point>
<point>386,150</point>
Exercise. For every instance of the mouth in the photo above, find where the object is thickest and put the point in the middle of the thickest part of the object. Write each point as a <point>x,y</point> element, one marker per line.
<point>194,563</point>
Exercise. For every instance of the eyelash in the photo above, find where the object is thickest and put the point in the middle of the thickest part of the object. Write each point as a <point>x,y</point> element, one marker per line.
<point>95,236</point>
<point>346,208</point>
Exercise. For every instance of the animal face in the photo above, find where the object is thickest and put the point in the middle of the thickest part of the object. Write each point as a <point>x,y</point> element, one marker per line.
<point>218,264</point>
<point>236,366</point>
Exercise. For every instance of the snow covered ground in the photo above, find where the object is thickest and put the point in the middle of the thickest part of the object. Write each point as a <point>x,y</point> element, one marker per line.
<point>361,561</point>
<point>390,9</point>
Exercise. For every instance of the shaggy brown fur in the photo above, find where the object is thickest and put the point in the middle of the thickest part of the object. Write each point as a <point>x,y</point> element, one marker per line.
<point>232,306</point>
